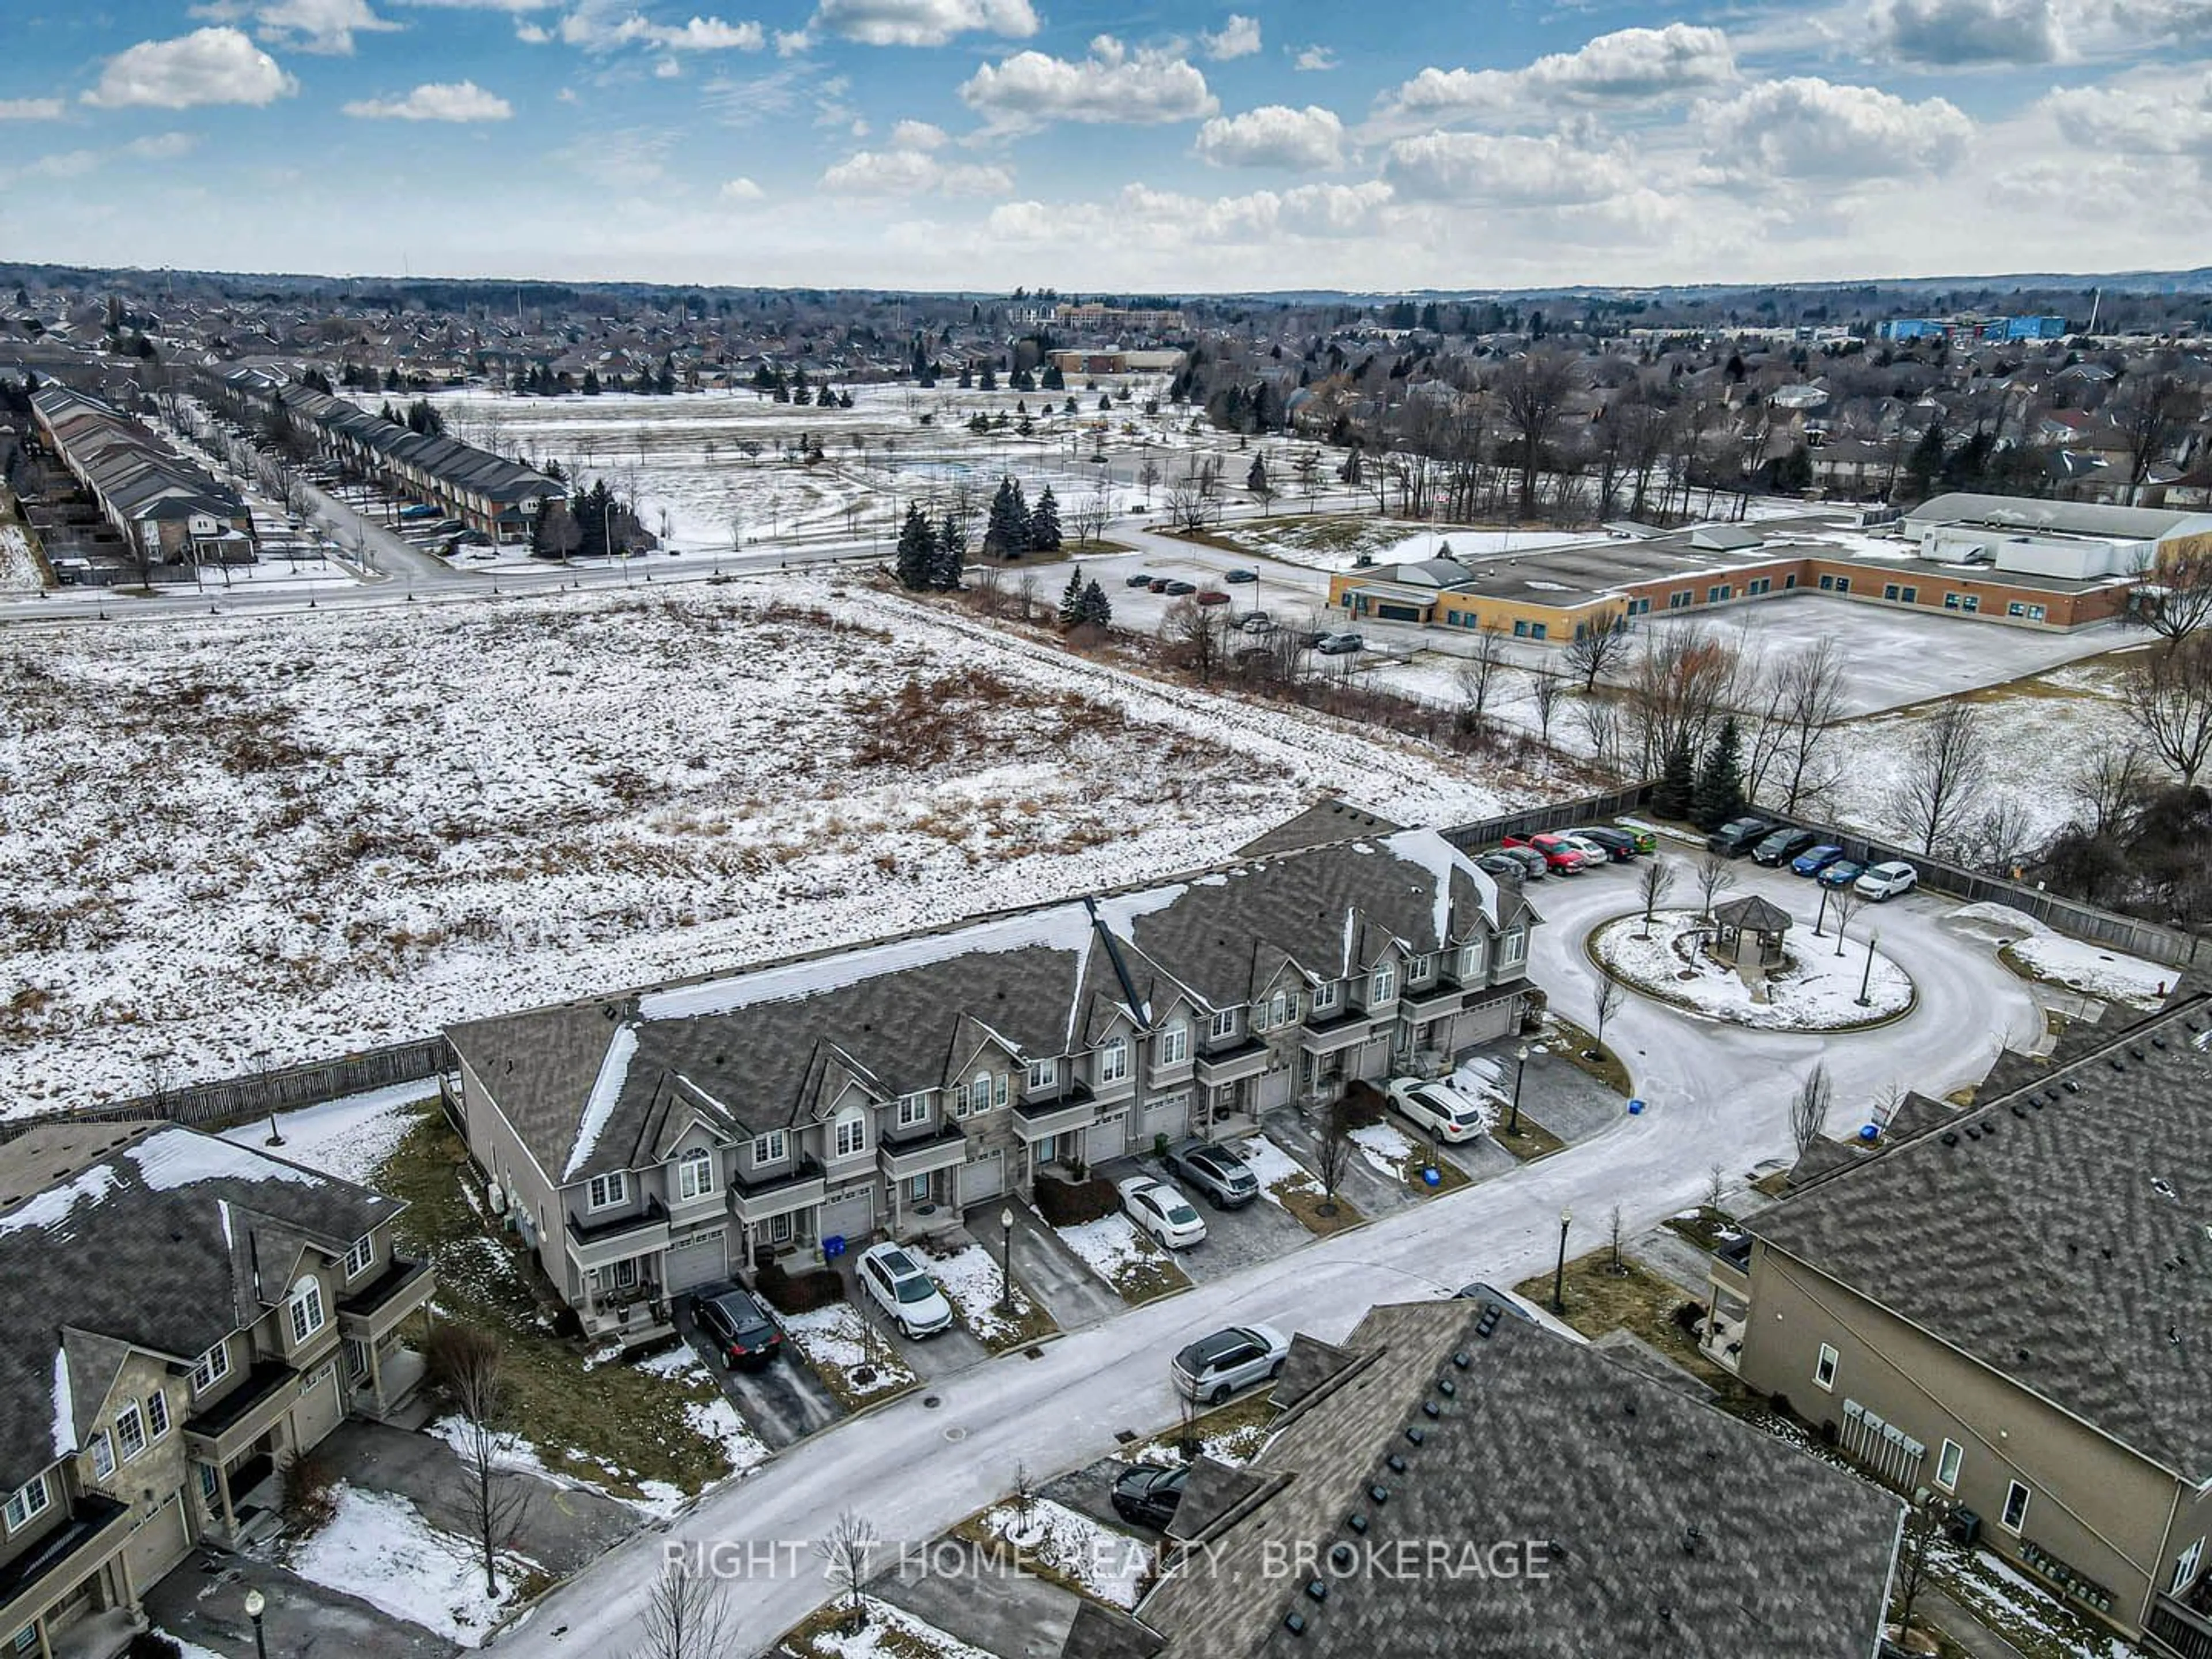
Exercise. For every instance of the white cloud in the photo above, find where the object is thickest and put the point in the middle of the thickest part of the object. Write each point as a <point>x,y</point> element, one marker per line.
<point>1110,85</point>
<point>597,29</point>
<point>1238,38</point>
<point>912,171</point>
<point>667,70</point>
<point>711,34</point>
<point>1627,66</point>
<point>436,100</point>
<point>531,34</point>
<point>924,22</point>
<point>918,135</point>
<point>162,146</point>
<point>320,26</point>
<point>1952,33</point>
<point>1274,135</point>
<point>1139,216</point>
<point>65,164</point>
<point>76,163</point>
<point>741,190</point>
<point>1313,60</point>
<point>791,43</point>
<point>30,109</point>
<point>2155,119</point>
<point>1807,128</point>
<point>1483,169</point>
<point>626,159</point>
<point>208,66</point>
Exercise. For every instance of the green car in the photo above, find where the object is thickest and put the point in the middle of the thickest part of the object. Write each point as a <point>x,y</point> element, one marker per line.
<point>1646,843</point>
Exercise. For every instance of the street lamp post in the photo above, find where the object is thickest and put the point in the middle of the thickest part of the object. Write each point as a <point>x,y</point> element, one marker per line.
<point>1866,976</point>
<point>1559,1273</point>
<point>256,1605</point>
<point>1520,1064</point>
<point>1006,1262</point>
<point>1823,916</point>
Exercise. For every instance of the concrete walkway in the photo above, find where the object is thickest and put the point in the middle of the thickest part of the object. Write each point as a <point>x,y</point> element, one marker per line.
<point>1932,1606</point>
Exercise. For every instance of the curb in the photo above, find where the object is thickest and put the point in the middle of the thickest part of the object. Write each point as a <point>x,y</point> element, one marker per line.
<point>1689,1011</point>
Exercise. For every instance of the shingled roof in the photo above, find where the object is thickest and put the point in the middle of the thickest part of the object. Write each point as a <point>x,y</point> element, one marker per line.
<point>140,1236</point>
<point>2057,1235</point>
<point>1663,1526</point>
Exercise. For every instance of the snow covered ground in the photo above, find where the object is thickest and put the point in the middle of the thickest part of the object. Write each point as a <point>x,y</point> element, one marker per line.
<point>379,1547</point>
<point>1106,1562</point>
<point>1817,990</point>
<point>1387,1149</point>
<point>2092,970</point>
<point>1277,1171</point>
<point>350,1138</point>
<point>1336,543</point>
<point>247,841</point>
<point>973,1279</point>
<point>19,571</point>
<point>1112,1248</point>
<point>891,1633</point>
<point>839,1341</point>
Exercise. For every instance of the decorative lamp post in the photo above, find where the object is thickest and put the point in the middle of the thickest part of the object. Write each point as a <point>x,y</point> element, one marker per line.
<point>1520,1064</point>
<point>256,1605</point>
<point>1006,1262</point>
<point>1866,977</point>
<point>1559,1273</point>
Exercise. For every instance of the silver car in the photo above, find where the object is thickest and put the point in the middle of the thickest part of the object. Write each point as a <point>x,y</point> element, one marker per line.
<point>1215,1367</point>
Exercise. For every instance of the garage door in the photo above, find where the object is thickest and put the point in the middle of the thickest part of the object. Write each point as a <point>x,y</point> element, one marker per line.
<point>1275,1087</point>
<point>1107,1139</point>
<point>849,1212</point>
<point>699,1257</point>
<point>319,1410</point>
<point>159,1544</point>
<point>983,1177</point>
<point>1168,1116</point>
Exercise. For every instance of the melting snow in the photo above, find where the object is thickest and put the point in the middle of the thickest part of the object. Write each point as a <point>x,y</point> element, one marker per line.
<point>65,1407</point>
<point>606,1090</point>
<point>379,1547</point>
<point>52,1207</point>
<point>179,1157</point>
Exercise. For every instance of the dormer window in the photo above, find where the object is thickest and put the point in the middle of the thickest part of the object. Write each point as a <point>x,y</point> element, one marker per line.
<point>1174,1044</point>
<point>305,1309</point>
<point>850,1135</point>
<point>1470,959</point>
<point>1513,947</point>
<point>605,1191</point>
<point>1421,970</point>
<point>1382,985</point>
<point>1114,1060</point>
<point>1324,996</point>
<point>1043,1073</point>
<point>694,1175</point>
<point>1224,1024</point>
<point>913,1111</point>
<point>361,1257</point>
<point>770,1148</point>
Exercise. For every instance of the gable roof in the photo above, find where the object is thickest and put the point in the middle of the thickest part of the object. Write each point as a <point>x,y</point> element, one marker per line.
<point>1665,1525</point>
<point>2056,1234</point>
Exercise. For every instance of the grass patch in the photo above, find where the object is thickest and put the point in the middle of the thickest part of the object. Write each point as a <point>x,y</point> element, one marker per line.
<point>614,1426</point>
<point>1149,1279</point>
<point>1776,1185</point>
<point>1531,1142</point>
<point>1570,1042</point>
<point>850,1354</point>
<point>1709,1229</point>
<point>891,1633</point>
<point>1637,1300</point>
<point>1304,1201</point>
<point>1229,1434</point>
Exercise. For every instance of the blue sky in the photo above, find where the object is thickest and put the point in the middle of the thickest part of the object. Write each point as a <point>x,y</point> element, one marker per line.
<point>1250,144</point>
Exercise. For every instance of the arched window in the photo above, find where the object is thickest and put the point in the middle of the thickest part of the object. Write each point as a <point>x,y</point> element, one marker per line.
<point>851,1132</point>
<point>695,1173</point>
<point>979,1093</point>
<point>305,1308</point>
<point>1113,1060</point>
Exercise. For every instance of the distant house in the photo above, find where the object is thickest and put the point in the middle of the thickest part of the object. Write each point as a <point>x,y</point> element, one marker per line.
<point>183,1315</point>
<point>164,508</point>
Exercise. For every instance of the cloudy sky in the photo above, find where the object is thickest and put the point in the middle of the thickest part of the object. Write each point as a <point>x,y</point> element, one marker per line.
<point>1252,144</point>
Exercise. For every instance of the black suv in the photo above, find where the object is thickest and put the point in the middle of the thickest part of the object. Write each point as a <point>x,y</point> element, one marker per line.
<point>1738,836</point>
<point>1782,846</point>
<point>1148,1493</point>
<point>739,1329</point>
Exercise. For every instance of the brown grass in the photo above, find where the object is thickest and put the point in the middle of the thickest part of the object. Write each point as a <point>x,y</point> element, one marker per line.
<point>1305,1203</point>
<point>1533,1141</point>
<point>1599,1300</point>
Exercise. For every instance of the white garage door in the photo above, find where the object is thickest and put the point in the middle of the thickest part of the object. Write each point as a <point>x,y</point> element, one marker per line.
<point>1106,1139</point>
<point>319,1408</point>
<point>1275,1087</point>
<point>849,1213</point>
<point>1169,1116</point>
<point>699,1257</point>
<point>983,1177</point>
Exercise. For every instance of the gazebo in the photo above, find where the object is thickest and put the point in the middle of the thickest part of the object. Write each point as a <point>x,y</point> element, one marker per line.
<point>1750,932</point>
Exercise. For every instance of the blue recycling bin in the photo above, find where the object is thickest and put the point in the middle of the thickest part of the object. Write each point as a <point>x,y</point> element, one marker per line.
<point>1636,1108</point>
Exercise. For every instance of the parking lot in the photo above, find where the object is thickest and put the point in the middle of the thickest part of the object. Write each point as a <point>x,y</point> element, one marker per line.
<point>783,1402</point>
<point>1259,1231</point>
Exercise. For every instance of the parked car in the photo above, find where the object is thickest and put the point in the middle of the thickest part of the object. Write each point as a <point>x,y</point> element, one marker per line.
<point>1779,847</point>
<point>1504,865</point>
<point>1212,596</point>
<point>1738,836</point>
<point>1180,589</point>
<point>1841,874</point>
<point>907,1295</point>
<point>1139,579</point>
<point>1534,866</point>
<point>1215,1367</point>
<point>1617,846</point>
<point>1337,645</point>
<point>1256,621</point>
<point>1814,859</point>
<point>1646,843</point>
<point>1241,576</point>
<point>1594,855</point>
<point>739,1328</point>
<point>1556,853</point>
<point>1163,1211</point>
<point>1437,1109</point>
<point>1149,1493</point>
<point>1158,584</point>
<point>418,510</point>
<point>1887,881</point>
<point>1226,1179</point>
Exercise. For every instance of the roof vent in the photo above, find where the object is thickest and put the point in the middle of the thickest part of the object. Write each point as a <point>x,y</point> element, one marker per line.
<point>2118,1065</point>
<point>1317,1590</point>
<point>1394,1463</point>
<point>1462,1359</point>
<point>1973,1132</point>
<point>1295,1623</point>
<point>2160,1185</point>
<point>1342,1555</point>
<point>1628,1408</point>
<point>1416,1435</point>
<point>1692,1538</point>
<point>1950,1137</point>
<point>2071,1086</point>
<point>2158,1042</point>
<point>2019,1110</point>
<point>1357,1523</point>
<point>2135,1053</point>
<point>1446,1387</point>
<point>1431,1409</point>
<point>1989,1128</point>
<point>1378,1493</point>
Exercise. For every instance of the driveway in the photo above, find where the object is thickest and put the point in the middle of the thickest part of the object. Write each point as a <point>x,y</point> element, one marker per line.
<point>930,1358</point>
<point>965,1594</point>
<point>783,1402</point>
<point>1235,1239</point>
<point>201,1602</point>
<point>1371,1192</point>
<point>1057,1278</point>
<point>1555,1092</point>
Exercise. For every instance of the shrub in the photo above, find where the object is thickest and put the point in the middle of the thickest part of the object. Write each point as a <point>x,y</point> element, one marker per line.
<point>1072,1203</point>
<point>453,1351</point>
<point>152,1644</point>
<point>310,1491</point>
<point>1362,1105</point>
<point>798,1292</point>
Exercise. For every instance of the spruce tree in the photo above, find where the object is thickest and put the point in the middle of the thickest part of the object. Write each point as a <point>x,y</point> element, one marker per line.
<point>1044,524</point>
<point>987,381</point>
<point>917,551</point>
<point>1677,781</point>
<point>1070,601</point>
<point>952,555</point>
<point>1007,534</point>
<point>1097,611</point>
<point>1719,794</point>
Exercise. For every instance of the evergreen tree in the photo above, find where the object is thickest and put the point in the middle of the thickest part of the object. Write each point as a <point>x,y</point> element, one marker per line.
<point>1044,524</point>
<point>1006,535</point>
<point>917,551</point>
<point>952,555</point>
<point>987,381</point>
<point>1053,379</point>
<point>591,383</point>
<point>1926,460</point>
<point>1719,795</point>
<point>1677,783</point>
<point>967,378</point>
<point>1097,611</point>
<point>1070,601</point>
<point>1255,479</point>
<point>593,514</point>
<point>391,379</point>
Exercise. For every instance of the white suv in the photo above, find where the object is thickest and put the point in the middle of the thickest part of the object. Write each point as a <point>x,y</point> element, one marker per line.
<point>1883,881</point>
<point>1439,1108</point>
<point>894,1281</point>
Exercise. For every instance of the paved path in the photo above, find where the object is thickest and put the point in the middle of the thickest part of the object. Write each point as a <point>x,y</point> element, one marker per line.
<point>1718,1094</point>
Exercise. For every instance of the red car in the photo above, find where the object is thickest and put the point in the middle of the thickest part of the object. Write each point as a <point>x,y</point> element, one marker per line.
<point>1212,596</point>
<point>1558,858</point>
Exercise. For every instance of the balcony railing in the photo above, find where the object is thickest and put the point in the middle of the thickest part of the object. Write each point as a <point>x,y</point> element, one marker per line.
<point>2176,1628</point>
<point>50,1570</point>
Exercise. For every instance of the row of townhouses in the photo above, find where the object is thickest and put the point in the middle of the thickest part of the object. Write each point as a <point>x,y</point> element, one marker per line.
<point>2011,1309</point>
<point>184,1315</point>
<point>644,1143</point>
<point>165,509</point>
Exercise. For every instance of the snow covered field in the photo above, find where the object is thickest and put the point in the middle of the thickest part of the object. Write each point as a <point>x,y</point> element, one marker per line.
<point>19,571</point>
<point>973,1279</point>
<point>1106,1562</point>
<point>244,841</point>
<point>1815,990</point>
<point>839,1340</point>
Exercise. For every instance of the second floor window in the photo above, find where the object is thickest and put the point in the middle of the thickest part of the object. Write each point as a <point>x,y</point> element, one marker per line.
<point>913,1111</point>
<point>130,1432</point>
<point>979,1093</point>
<point>695,1173</point>
<point>770,1147</point>
<point>852,1132</point>
<point>157,1413</point>
<point>28,1503</point>
<point>361,1257</point>
<point>1470,959</point>
<point>1513,947</point>
<point>103,1456</point>
<point>211,1368</point>
<point>1224,1024</point>
<point>1421,969</point>
<point>1382,985</point>
<point>607,1190</point>
<point>1324,996</point>
<point>304,1310</point>
<point>1175,1045</point>
<point>1113,1060</point>
<point>1043,1073</point>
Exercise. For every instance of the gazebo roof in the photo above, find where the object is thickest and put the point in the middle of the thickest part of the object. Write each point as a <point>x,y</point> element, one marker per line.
<point>1752,913</point>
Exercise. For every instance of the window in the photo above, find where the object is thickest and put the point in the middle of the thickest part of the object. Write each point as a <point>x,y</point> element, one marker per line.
<point>998,1094</point>
<point>130,1432</point>
<point>1421,969</point>
<point>1790,581</point>
<point>1714,595</point>
<point>1174,1044</point>
<point>1538,630</point>
<point>607,1190</point>
<point>2015,609</point>
<point>626,1273</point>
<point>28,1503</point>
<point>851,1135</point>
<point>917,1190</point>
<point>1911,596</point>
<point>2184,1570</point>
<point>157,1413</point>
<point>1760,585</point>
<point>1947,1466</point>
<point>1224,1024</point>
<point>1325,995</point>
<point>914,1109</point>
<point>1827,583</point>
<point>770,1147</point>
<point>1043,1073</point>
<point>1890,590</point>
<point>1113,1060</point>
<point>1824,1367</point>
<point>779,1229</point>
<point>1382,986</point>
<point>1971,602</point>
<point>1679,601</point>
<point>979,1093</point>
<point>1520,629</point>
<point>1843,584</point>
<point>1512,947</point>
<point>103,1456</point>
<point>2035,613</point>
<point>2015,1507</point>
<point>1951,601</point>
<point>1282,1008</point>
<point>361,1258</point>
<point>211,1368</point>
<point>1470,959</point>
<point>209,1482</point>
<point>1639,607</point>
<point>695,1173</point>
<point>305,1309</point>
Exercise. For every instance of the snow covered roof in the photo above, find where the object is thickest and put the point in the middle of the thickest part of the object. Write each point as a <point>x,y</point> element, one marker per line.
<point>116,1236</point>
<point>2069,518</point>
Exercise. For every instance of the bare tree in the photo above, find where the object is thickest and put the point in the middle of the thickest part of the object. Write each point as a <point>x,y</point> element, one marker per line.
<point>1716,1185</point>
<point>2174,598</point>
<point>1026,597</point>
<point>1947,767</point>
<point>1600,721</point>
<point>1806,698</point>
<point>988,593</point>
<point>1614,1223</point>
<point>2168,694</point>
<point>1091,517</point>
<point>1532,394</point>
<point>2152,412</point>
<point>1544,691</point>
<point>847,1552</point>
<point>469,1367</point>
<point>1196,636</point>
<point>1809,1108</point>
<point>1478,677</point>
<point>1923,1523</point>
<point>1148,475</point>
<point>1602,644</point>
<point>1846,903</point>
<point>1679,684</point>
<point>1610,996</point>
<point>686,1615</point>
<point>1715,876</point>
<point>1653,883</point>
<point>2107,785</point>
<point>1332,1151</point>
